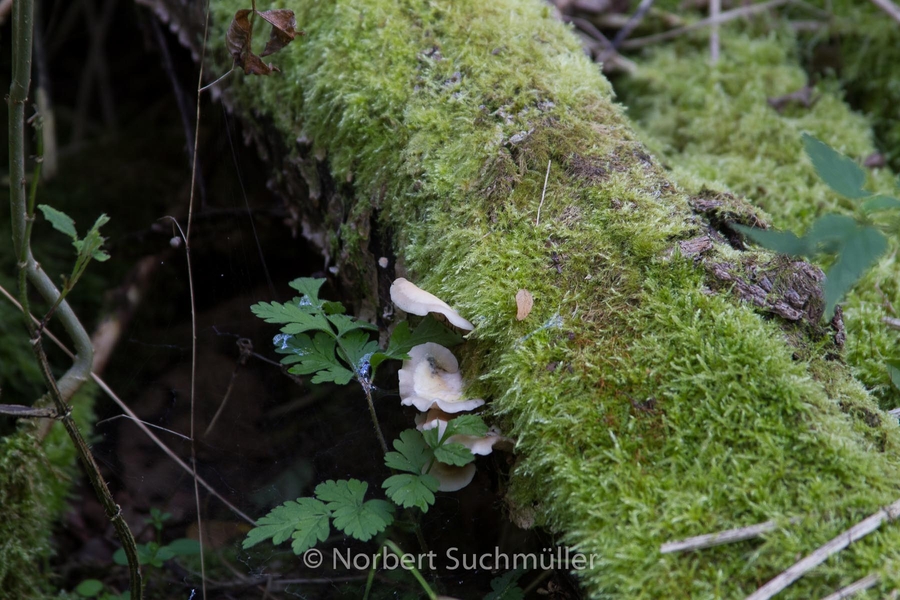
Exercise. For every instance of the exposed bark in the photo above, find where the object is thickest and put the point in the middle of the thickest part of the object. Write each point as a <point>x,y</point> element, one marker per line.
<point>666,371</point>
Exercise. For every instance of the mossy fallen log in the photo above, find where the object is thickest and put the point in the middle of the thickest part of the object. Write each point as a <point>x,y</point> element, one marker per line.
<point>649,398</point>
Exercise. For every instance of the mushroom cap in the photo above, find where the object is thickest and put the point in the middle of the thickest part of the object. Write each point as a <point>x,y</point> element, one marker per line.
<point>452,478</point>
<point>430,377</point>
<point>416,301</point>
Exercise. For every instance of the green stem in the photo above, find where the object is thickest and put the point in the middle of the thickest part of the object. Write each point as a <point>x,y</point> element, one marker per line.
<point>366,384</point>
<point>371,577</point>
<point>396,550</point>
<point>22,215</point>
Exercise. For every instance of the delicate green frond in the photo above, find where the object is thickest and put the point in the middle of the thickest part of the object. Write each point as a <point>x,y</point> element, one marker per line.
<point>345,324</point>
<point>305,519</point>
<point>309,287</point>
<point>295,319</point>
<point>317,356</point>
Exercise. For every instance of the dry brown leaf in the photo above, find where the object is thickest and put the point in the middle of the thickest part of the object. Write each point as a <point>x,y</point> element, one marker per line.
<point>239,38</point>
<point>524,303</point>
<point>283,29</point>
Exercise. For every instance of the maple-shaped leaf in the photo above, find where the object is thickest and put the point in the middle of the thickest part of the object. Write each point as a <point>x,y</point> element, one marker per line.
<point>358,519</point>
<point>409,490</point>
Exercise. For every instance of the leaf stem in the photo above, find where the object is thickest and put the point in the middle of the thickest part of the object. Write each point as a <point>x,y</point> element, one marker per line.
<point>396,550</point>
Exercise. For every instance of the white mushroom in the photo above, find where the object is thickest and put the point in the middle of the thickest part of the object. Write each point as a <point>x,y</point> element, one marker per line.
<point>430,377</point>
<point>452,478</point>
<point>416,301</point>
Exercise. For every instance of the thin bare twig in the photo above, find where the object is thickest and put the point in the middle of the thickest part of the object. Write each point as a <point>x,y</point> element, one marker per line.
<point>889,7</point>
<point>798,569</point>
<point>715,10</point>
<point>633,22</point>
<point>722,18</point>
<point>854,588</point>
<point>891,322</point>
<point>187,252</point>
<point>717,539</point>
<point>537,223</point>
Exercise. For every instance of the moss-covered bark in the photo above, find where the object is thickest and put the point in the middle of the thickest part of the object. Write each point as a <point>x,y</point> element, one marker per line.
<point>715,127</point>
<point>648,401</point>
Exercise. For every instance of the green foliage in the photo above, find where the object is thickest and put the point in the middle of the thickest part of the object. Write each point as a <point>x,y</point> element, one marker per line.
<point>505,587</point>
<point>155,554</point>
<point>413,456</point>
<point>340,348</point>
<point>93,588</point>
<point>855,242</point>
<point>158,519</point>
<point>87,248</point>
<point>89,588</point>
<point>893,367</point>
<point>840,172</point>
<point>306,519</point>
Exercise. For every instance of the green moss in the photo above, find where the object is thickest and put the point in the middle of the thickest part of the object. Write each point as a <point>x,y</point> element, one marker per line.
<point>645,406</point>
<point>35,476</point>
<point>715,127</point>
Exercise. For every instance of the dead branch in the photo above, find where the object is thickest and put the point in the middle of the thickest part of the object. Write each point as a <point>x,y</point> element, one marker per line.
<point>800,568</point>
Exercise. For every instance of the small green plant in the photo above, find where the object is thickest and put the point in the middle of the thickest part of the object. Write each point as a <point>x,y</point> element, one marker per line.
<point>318,339</point>
<point>94,588</point>
<point>151,553</point>
<point>852,243</point>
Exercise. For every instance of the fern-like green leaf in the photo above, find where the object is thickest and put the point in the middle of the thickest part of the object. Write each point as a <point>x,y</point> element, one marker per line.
<point>309,288</point>
<point>294,318</point>
<point>317,355</point>
<point>305,519</point>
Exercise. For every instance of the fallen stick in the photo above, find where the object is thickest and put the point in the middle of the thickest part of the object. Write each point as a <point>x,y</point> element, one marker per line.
<point>800,568</point>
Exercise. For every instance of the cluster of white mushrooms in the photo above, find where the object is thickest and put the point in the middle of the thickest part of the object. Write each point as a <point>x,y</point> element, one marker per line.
<point>430,380</point>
